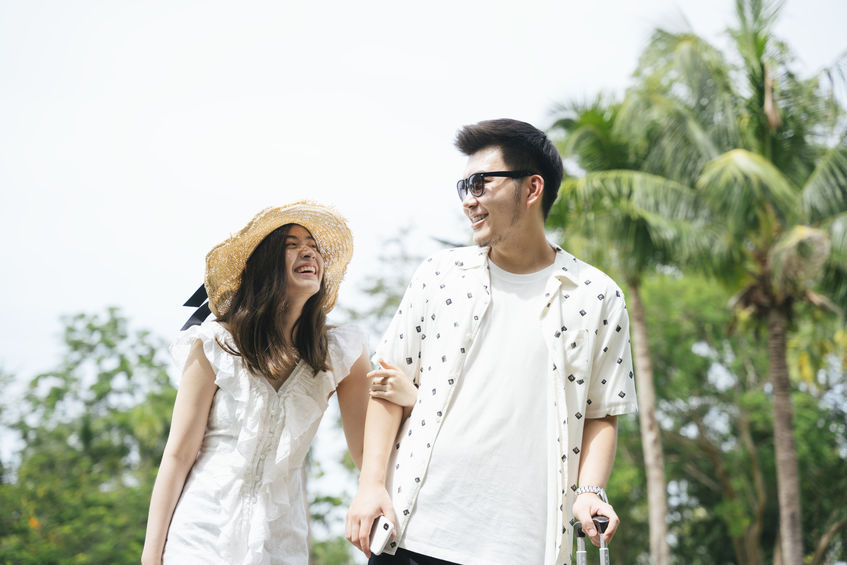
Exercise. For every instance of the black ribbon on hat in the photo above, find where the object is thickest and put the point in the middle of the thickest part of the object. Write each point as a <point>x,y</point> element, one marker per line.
<point>200,301</point>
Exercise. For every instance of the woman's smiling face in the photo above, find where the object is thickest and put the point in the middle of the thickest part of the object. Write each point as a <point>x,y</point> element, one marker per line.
<point>304,264</point>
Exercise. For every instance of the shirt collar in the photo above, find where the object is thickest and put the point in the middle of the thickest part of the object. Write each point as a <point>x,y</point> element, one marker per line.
<point>566,265</point>
<point>477,258</point>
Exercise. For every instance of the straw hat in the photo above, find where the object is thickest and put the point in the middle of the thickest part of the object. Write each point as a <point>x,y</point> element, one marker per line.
<point>226,261</point>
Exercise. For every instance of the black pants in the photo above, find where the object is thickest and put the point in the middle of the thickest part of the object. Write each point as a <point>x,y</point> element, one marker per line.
<point>404,557</point>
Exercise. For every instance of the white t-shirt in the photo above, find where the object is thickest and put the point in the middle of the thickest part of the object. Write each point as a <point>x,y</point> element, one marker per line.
<point>483,499</point>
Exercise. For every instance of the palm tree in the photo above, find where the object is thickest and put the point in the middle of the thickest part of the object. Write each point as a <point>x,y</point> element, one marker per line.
<point>767,153</point>
<point>631,221</point>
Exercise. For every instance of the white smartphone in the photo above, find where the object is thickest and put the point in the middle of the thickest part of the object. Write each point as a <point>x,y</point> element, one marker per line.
<point>380,534</point>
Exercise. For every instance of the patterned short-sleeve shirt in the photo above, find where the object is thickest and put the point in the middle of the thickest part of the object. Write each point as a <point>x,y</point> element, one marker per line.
<point>587,327</point>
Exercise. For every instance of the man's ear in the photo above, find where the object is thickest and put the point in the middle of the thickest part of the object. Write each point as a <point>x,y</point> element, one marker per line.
<point>536,190</point>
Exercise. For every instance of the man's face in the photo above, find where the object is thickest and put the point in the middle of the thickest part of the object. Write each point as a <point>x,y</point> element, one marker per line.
<point>495,213</point>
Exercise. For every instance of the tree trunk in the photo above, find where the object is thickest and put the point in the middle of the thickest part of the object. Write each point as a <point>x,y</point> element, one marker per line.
<point>758,498</point>
<point>654,459</point>
<point>787,477</point>
<point>823,544</point>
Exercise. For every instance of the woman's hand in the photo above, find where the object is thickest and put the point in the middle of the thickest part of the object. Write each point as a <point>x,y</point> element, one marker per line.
<point>388,383</point>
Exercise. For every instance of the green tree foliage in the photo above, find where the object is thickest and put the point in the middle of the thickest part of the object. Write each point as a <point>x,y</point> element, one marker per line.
<point>327,510</point>
<point>380,294</point>
<point>763,153</point>
<point>334,551</point>
<point>713,401</point>
<point>93,432</point>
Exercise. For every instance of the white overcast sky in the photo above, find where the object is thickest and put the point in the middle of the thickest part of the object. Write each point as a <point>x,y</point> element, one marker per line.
<point>136,135</point>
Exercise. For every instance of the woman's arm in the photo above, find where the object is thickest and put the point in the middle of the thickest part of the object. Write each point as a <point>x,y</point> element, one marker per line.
<point>353,392</point>
<point>372,499</point>
<point>353,403</point>
<point>358,398</point>
<point>188,424</point>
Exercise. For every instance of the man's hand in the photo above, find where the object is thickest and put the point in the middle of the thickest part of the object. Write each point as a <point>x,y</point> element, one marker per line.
<point>589,504</point>
<point>371,502</point>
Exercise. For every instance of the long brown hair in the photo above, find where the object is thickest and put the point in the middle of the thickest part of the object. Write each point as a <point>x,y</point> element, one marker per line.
<point>256,314</point>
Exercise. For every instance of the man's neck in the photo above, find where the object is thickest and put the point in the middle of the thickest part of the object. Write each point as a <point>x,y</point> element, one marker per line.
<point>529,255</point>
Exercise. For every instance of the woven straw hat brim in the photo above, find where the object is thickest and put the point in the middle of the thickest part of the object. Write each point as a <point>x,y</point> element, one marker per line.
<point>225,262</point>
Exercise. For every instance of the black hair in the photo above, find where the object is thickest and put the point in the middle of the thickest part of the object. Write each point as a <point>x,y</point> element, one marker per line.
<point>524,147</point>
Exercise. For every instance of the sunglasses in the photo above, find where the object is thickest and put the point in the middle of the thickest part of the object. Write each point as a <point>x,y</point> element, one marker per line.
<point>475,184</point>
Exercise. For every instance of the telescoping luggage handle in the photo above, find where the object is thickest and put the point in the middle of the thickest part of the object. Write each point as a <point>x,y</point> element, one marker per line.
<point>600,522</point>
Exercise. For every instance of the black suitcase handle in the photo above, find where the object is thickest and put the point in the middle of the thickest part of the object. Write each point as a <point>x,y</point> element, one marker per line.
<point>601,523</point>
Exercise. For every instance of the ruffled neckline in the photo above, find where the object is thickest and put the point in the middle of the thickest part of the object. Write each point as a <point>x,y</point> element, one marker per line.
<point>300,368</point>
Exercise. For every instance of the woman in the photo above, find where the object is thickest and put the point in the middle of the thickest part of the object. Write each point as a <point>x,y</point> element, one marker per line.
<point>255,384</point>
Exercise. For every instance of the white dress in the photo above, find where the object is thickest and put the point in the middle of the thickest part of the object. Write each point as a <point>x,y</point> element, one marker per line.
<point>244,500</point>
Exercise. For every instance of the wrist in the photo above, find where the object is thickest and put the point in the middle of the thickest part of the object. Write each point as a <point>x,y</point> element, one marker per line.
<point>592,489</point>
<point>587,498</point>
<point>371,481</point>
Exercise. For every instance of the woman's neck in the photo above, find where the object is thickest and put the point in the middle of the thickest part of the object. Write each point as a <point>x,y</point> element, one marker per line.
<point>289,320</point>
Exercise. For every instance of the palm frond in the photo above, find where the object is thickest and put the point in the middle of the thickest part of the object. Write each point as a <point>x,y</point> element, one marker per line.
<point>585,133</point>
<point>689,69</point>
<point>837,230</point>
<point>834,281</point>
<point>644,191</point>
<point>752,36</point>
<point>825,193</point>
<point>648,218</point>
<point>748,194</point>
<point>835,76</point>
<point>671,139</point>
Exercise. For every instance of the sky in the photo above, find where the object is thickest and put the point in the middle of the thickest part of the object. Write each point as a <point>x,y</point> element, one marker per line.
<point>134,136</point>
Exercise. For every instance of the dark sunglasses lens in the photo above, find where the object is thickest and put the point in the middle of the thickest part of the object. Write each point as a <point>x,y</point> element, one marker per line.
<point>477,182</point>
<point>460,188</point>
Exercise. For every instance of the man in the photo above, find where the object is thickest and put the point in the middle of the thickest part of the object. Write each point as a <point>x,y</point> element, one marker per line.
<point>522,358</point>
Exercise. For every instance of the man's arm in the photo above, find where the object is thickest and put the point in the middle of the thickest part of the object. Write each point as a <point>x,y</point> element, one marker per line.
<point>599,443</point>
<point>612,391</point>
<point>372,499</point>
